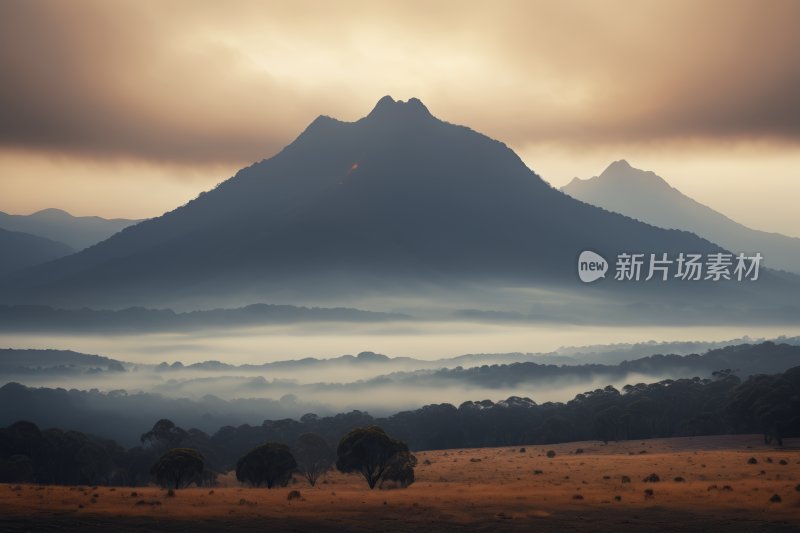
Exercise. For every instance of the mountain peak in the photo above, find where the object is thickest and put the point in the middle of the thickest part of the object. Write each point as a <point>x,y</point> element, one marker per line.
<point>388,107</point>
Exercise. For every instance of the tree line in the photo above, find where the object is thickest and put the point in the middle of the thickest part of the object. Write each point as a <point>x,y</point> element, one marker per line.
<point>723,405</point>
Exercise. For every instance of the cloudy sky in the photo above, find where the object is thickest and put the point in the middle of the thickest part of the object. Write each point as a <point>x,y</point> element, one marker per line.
<point>128,109</point>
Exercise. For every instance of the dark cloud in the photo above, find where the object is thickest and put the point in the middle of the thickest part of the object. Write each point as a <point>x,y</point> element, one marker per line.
<point>205,83</point>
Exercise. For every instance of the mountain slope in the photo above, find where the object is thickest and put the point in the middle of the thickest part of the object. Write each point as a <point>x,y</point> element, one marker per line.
<point>19,250</point>
<point>390,203</point>
<point>647,197</point>
<point>58,225</point>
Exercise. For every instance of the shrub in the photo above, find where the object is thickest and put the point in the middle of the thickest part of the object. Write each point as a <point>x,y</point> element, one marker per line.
<point>652,478</point>
<point>522,450</point>
<point>679,479</point>
<point>210,492</point>
<point>775,499</point>
<point>797,488</point>
<point>247,503</point>
<point>752,461</point>
<point>606,477</point>
<point>577,497</point>
<point>648,494</point>
<point>551,453</point>
<point>769,459</point>
<point>782,462</point>
<point>427,462</point>
<point>579,450</point>
<point>473,460</point>
<point>134,494</point>
<point>93,500</point>
<point>401,470</point>
<point>727,487</point>
<point>539,472</point>
<point>618,498</point>
<point>80,506</point>
<point>643,451</point>
<point>625,479</point>
<point>171,493</point>
<point>294,495</point>
<point>712,487</point>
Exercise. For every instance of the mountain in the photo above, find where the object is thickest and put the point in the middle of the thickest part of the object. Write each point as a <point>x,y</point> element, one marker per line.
<point>398,202</point>
<point>18,250</point>
<point>647,197</point>
<point>58,225</point>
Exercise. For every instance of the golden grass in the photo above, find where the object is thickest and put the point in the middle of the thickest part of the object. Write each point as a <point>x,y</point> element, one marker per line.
<point>462,491</point>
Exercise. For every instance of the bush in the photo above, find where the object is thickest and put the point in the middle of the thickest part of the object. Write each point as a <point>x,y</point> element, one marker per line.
<point>712,487</point>
<point>648,494</point>
<point>400,470</point>
<point>551,453</point>
<point>652,478</point>
<point>247,503</point>
<point>775,499</point>
<point>618,498</point>
<point>769,459</point>
<point>752,461</point>
<point>727,487</point>
<point>625,479</point>
<point>679,479</point>
<point>579,450</point>
<point>294,495</point>
<point>797,488</point>
<point>782,462</point>
<point>427,462</point>
<point>577,497</point>
<point>473,460</point>
<point>134,494</point>
<point>643,451</point>
<point>522,450</point>
<point>539,472</point>
<point>171,493</point>
<point>606,477</point>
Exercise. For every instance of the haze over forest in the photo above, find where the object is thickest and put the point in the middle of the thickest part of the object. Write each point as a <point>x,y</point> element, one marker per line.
<point>227,229</point>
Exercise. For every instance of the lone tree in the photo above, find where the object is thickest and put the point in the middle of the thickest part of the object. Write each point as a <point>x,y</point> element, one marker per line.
<point>401,469</point>
<point>164,436</point>
<point>313,455</point>
<point>270,464</point>
<point>367,452</point>
<point>178,467</point>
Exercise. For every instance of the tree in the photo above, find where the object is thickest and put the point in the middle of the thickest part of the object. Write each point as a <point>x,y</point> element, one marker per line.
<point>367,452</point>
<point>164,436</point>
<point>313,455</point>
<point>271,464</point>
<point>401,469</point>
<point>178,467</point>
<point>18,469</point>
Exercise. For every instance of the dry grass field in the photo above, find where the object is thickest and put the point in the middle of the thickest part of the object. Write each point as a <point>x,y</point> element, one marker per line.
<point>486,489</point>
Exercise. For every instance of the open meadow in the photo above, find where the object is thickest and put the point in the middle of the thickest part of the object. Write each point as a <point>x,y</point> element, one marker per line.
<point>704,483</point>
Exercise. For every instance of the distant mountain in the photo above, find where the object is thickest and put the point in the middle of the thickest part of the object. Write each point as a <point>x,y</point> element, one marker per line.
<point>647,197</point>
<point>58,225</point>
<point>37,318</point>
<point>396,202</point>
<point>19,250</point>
